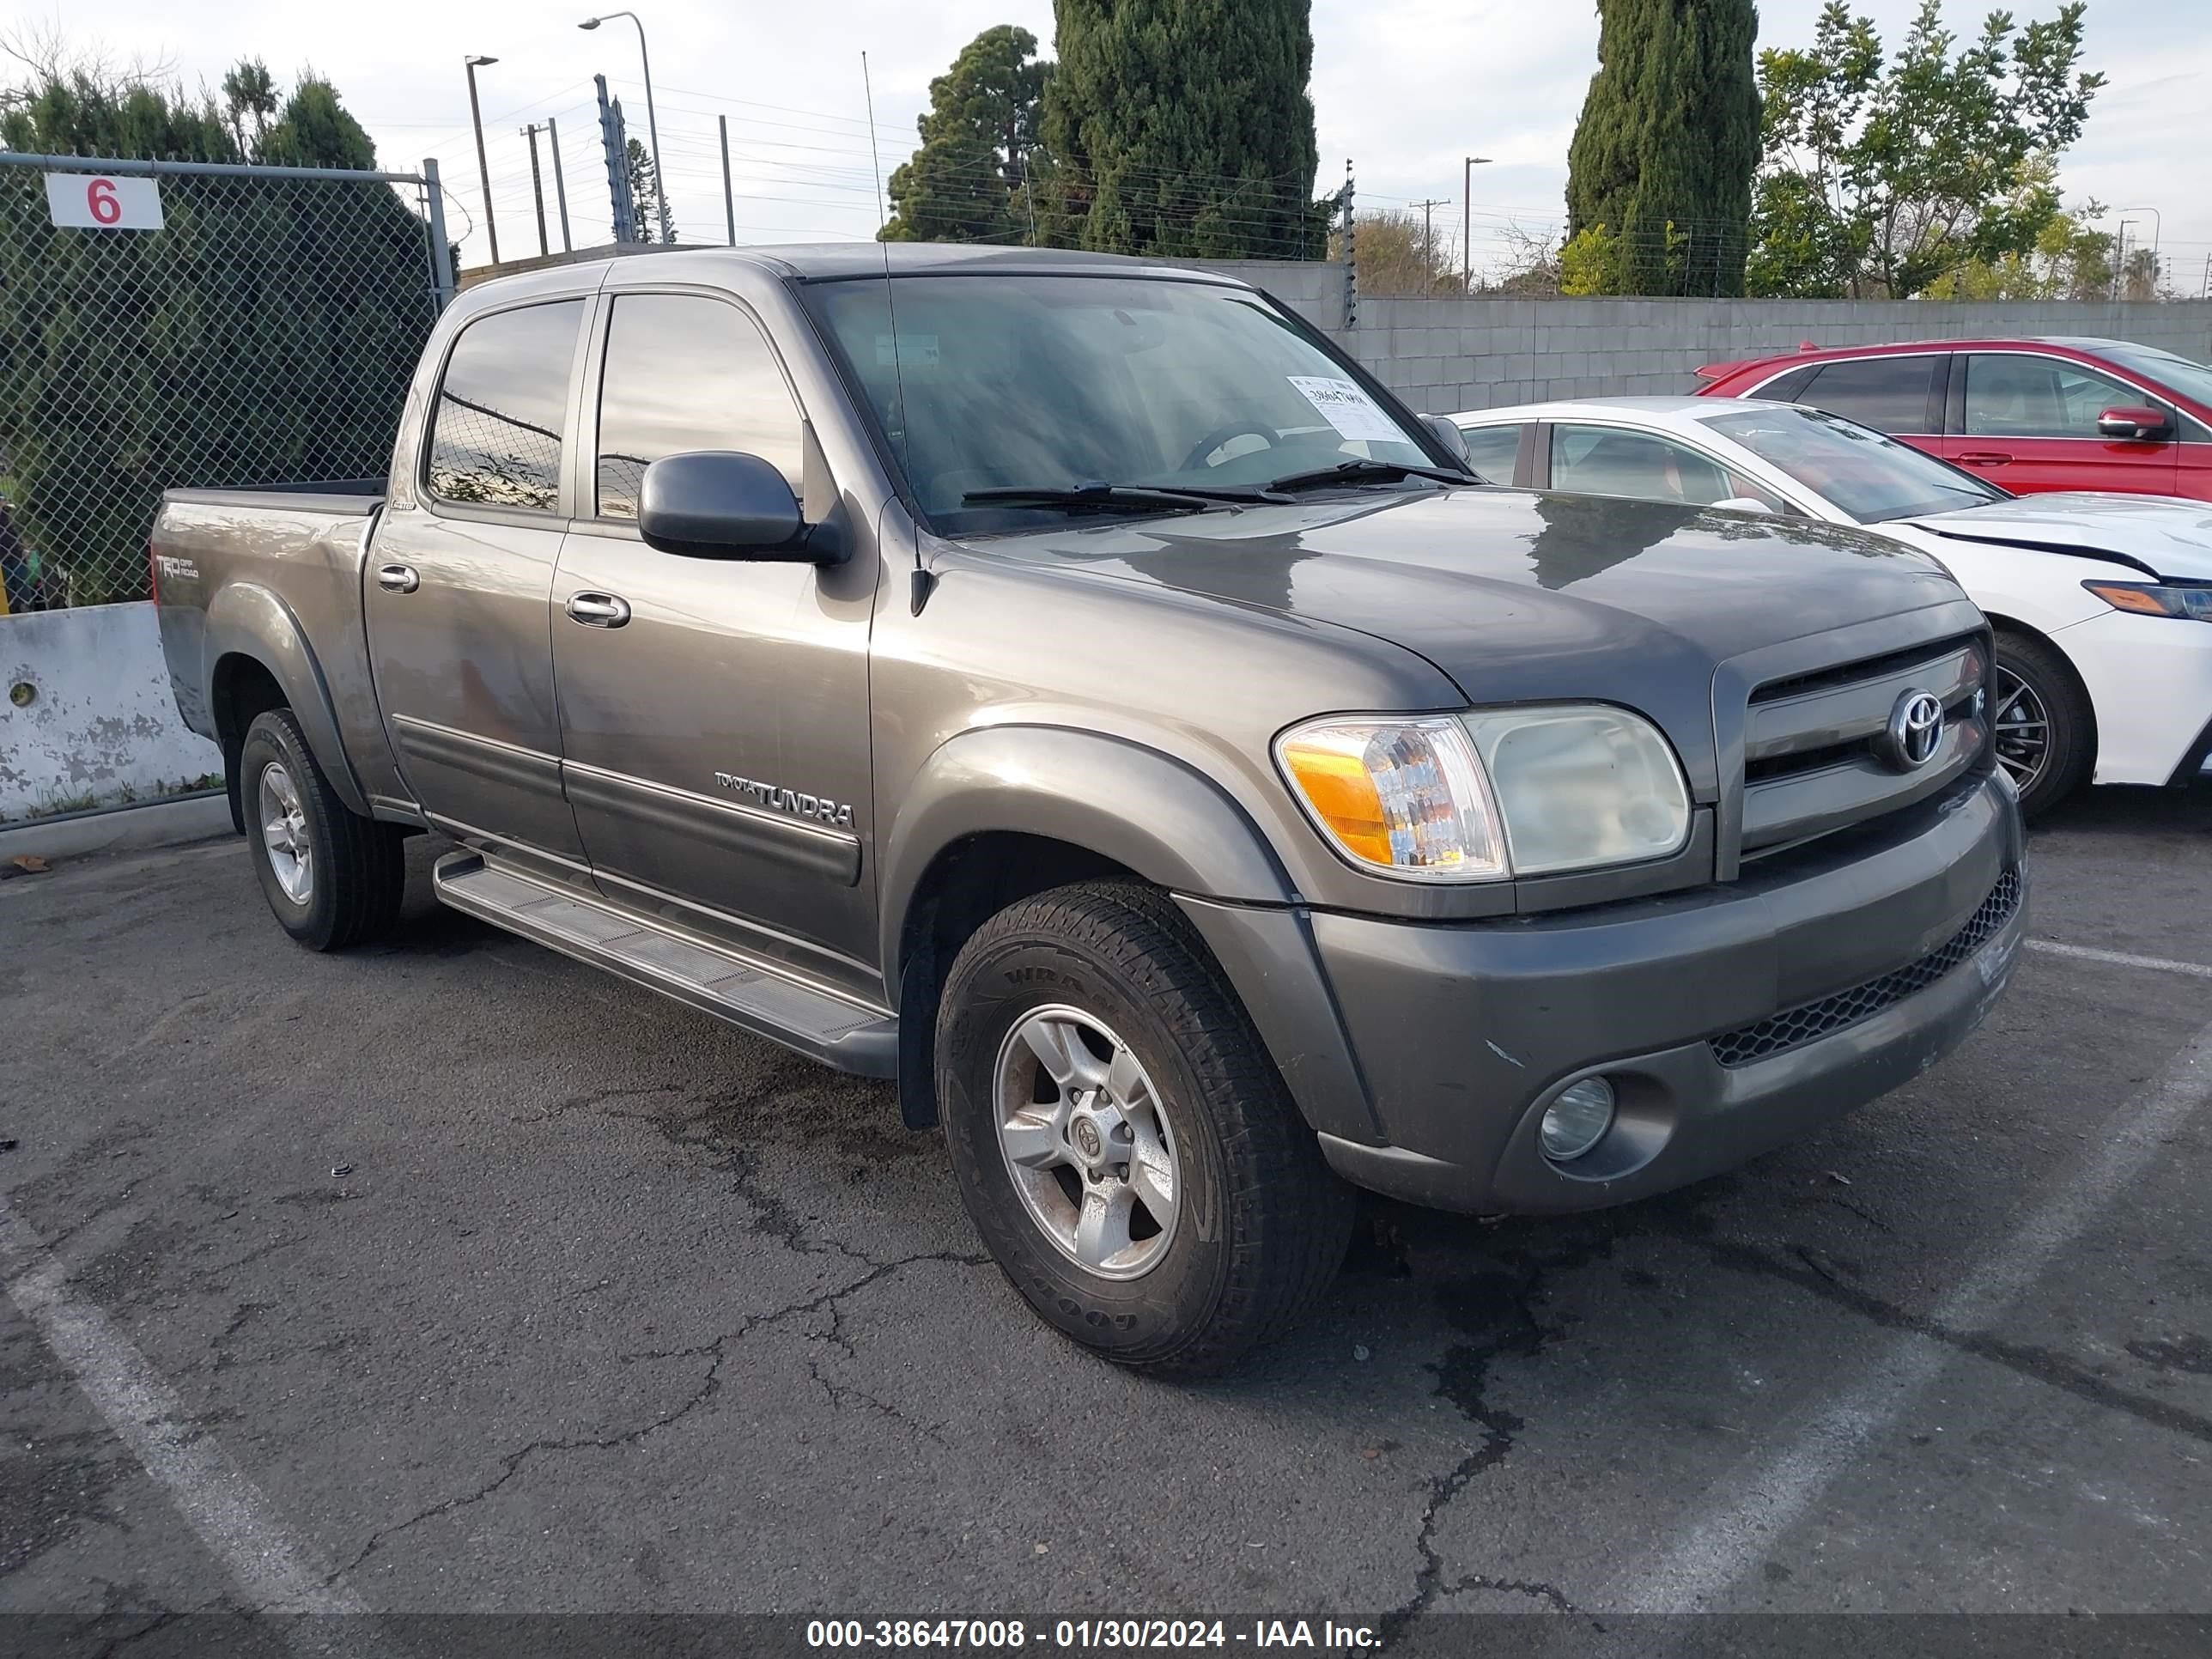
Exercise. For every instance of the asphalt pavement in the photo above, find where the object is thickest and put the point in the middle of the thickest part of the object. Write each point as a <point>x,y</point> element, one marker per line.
<point>452,1276</point>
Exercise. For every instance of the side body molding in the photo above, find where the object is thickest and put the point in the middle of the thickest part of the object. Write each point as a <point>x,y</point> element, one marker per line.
<point>246,619</point>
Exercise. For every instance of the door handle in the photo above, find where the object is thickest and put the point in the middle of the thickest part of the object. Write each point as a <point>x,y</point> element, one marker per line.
<point>1984,456</point>
<point>598,610</point>
<point>398,578</point>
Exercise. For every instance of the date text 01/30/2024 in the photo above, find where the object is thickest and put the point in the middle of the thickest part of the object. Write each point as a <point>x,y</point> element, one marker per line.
<point>1086,1635</point>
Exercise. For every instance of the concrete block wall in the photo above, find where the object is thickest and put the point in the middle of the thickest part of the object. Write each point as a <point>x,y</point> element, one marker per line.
<point>1447,355</point>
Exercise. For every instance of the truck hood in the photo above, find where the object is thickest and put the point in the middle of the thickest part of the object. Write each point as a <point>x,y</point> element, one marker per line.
<point>2166,535</point>
<point>1517,595</point>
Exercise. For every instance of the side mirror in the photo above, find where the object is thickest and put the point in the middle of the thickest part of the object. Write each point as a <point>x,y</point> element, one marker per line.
<point>2135,421</point>
<point>1745,504</point>
<point>1453,440</point>
<point>720,504</point>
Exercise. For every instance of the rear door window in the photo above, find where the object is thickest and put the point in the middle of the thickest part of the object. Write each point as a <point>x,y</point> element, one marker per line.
<point>496,437</point>
<point>1889,394</point>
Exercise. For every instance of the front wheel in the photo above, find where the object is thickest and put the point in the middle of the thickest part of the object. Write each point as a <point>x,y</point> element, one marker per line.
<point>332,877</point>
<point>2042,726</point>
<point>1122,1140</point>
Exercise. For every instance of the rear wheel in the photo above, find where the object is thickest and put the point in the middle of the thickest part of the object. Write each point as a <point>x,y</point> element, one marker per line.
<point>1122,1140</point>
<point>2042,724</point>
<point>332,877</point>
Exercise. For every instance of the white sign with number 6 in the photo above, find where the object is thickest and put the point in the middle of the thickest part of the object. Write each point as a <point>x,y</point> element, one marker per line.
<point>95,201</point>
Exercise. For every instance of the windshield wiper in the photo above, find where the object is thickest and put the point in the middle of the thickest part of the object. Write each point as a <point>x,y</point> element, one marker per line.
<point>1109,495</point>
<point>1359,471</point>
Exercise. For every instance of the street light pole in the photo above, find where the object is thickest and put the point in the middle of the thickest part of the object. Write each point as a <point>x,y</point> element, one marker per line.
<point>652,121</point>
<point>1466,227</point>
<point>483,167</point>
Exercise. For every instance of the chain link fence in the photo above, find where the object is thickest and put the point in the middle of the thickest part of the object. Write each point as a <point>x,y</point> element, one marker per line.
<point>193,326</point>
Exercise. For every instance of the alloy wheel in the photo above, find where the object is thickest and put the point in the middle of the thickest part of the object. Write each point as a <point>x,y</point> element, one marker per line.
<point>1088,1142</point>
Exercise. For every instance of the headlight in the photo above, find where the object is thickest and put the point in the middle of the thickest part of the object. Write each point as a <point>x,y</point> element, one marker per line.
<point>1492,793</point>
<point>2192,599</point>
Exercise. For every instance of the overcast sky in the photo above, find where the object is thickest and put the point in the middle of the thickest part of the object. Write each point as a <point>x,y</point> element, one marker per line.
<point>1405,87</point>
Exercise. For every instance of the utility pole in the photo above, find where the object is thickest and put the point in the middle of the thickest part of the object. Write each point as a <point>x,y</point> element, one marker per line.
<point>1428,240</point>
<point>652,120</point>
<point>1466,229</point>
<point>537,189</point>
<point>560,190</point>
<point>729,202</point>
<point>483,168</point>
<point>615,141</point>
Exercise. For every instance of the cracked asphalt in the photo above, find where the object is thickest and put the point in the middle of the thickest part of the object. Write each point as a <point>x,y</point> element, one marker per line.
<point>512,1288</point>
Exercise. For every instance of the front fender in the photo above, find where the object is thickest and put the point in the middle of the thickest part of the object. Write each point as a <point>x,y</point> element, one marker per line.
<point>1176,828</point>
<point>1140,808</point>
<point>246,619</point>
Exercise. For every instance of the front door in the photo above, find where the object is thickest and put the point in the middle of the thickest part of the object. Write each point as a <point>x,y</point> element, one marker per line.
<point>459,579</point>
<point>2028,423</point>
<point>714,712</point>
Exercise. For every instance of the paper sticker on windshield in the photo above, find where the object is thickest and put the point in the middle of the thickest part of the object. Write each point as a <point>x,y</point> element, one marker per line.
<point>1346,408</point>
<point>907,350</point>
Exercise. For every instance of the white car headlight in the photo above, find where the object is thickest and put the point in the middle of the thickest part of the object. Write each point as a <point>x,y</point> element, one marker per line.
<point>1491,793</point>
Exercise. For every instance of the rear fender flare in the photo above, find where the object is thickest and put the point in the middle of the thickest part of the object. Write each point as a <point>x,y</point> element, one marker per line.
<point>246,619</point>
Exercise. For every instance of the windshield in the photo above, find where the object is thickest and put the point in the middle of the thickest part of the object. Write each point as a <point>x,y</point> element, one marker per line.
<point>1871,477</point>
<point>1005,382</point>
<point>2192,381</point>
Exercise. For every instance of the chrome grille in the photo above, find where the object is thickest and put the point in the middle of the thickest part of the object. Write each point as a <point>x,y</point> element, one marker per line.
<point>1792,1027</point>
<point>1813,749</point>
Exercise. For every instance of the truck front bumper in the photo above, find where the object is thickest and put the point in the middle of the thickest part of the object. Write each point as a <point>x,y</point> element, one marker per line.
<point>1728,1020</point>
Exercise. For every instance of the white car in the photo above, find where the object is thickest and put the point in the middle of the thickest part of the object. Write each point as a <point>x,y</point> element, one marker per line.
<point>2101,602</point>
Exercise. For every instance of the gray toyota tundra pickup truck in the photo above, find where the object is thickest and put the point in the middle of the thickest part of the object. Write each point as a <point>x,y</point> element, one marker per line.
<point>1073,688</point>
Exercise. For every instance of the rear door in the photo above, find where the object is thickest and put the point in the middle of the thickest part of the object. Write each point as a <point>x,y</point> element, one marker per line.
<point>2028,423</point>
<point>1899,394</point>
<point>460,575</point>
<point>714,712</point>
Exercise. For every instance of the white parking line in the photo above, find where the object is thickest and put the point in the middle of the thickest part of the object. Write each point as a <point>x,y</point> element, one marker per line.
<point>2119,958</point>
<point>240,1527</point>
<point>1731,1540</point>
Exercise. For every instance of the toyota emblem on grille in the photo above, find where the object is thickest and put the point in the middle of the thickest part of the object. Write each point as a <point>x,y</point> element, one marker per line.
<point>1916,731</point>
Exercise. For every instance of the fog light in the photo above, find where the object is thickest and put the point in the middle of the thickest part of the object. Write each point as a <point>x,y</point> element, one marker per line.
<point>1576,1121</point>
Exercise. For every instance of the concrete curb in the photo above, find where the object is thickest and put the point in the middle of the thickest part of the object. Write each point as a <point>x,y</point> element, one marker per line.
<point>158,823</point>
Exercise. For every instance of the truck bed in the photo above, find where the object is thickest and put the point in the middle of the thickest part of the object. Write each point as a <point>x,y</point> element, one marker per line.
<point>297,547</point>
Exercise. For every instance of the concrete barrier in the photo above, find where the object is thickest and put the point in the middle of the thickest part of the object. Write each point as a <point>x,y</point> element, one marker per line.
<point>86,717</point>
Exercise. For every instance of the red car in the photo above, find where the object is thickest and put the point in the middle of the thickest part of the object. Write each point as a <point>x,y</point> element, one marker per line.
<point>2027,415</point>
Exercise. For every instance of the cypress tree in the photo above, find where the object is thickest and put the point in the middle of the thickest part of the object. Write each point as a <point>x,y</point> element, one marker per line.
<point>972,178</point>
<point>1668,140</point>
<point>1183,128</point>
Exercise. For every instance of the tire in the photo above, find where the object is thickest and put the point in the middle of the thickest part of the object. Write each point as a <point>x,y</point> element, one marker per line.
<point>2033,676</point>
<point>1260,1222</point>
<point>347,888</point>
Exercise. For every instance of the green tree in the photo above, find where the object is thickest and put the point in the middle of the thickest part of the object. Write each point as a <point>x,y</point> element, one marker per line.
<point>645,192</point>
<point>975,174</point>
<point>266,333</point>
<point>1182,128</point>
<point>1880,177</point>
<point>248,88</point>
<point>1668,143</point>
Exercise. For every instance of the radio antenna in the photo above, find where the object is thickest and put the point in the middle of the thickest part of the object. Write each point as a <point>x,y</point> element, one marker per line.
<point>921,581</point>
